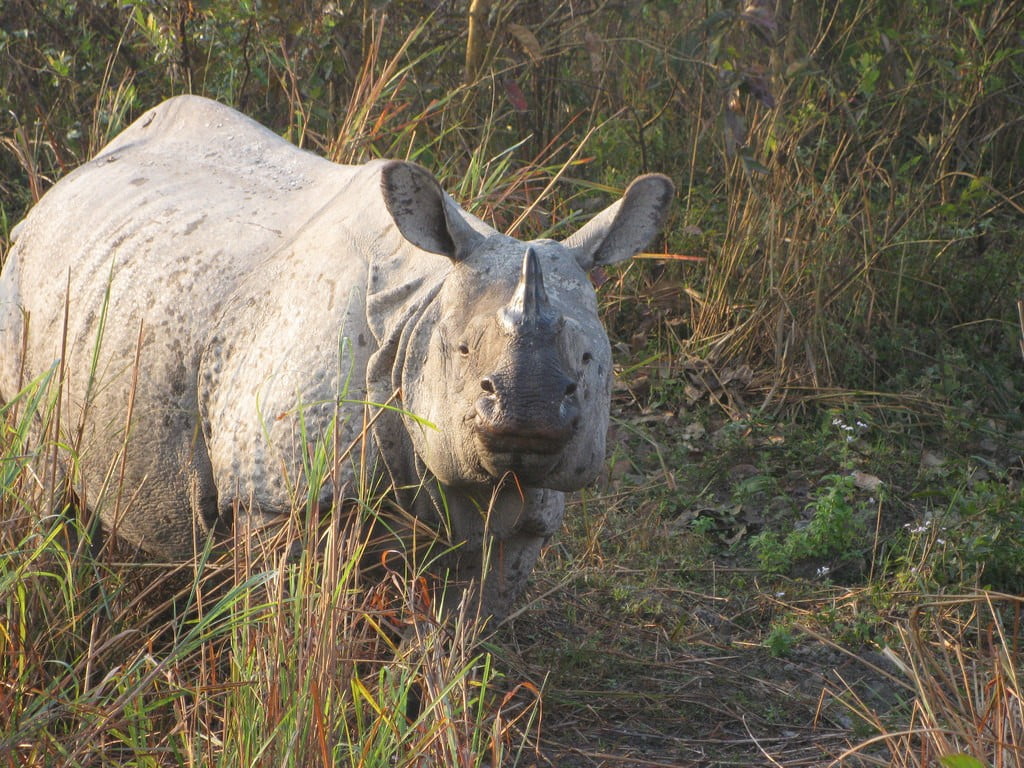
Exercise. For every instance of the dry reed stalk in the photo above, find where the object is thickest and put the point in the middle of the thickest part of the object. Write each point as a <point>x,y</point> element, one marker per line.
<point>964,659</point>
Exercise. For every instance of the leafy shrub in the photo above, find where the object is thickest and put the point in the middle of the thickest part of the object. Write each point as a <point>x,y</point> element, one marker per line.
<point>974,540</point>
<point>836,532</point>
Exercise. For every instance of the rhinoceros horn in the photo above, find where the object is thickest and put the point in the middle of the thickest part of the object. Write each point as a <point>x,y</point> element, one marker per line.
<point>529,308</point>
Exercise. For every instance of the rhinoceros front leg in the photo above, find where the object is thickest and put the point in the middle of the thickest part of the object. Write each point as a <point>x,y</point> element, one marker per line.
<point>500,544</point>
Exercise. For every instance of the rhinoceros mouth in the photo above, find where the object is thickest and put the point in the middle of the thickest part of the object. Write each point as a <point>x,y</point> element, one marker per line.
<point>519,444</point>
<point>530,469</point>
<point>519,441</point>
<point>531,455</point>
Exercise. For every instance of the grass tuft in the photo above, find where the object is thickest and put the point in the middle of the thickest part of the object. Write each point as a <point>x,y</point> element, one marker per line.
<point>963,659</point>
<point>253,655</point>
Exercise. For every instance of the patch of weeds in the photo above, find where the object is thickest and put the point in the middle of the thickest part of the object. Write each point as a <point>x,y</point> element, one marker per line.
<point>703,525</point>
<point>817,527</point>
<point>975,539</point>
<point>837,531</point>
<point>858,620</point>
<point>754,488</point>
<point>991,530</point>
<point>780,639</point>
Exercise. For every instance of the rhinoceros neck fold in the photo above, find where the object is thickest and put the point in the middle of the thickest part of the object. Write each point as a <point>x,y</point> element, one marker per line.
<point>395,310</point>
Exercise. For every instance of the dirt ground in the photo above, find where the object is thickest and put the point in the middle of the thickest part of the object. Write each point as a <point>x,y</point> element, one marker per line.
<point>625,692</point>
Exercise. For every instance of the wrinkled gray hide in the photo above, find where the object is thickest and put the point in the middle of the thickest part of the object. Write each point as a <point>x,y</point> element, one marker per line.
<point>268,293</point>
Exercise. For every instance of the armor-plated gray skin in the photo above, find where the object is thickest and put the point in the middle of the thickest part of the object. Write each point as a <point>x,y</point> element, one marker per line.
<point>268,294</point>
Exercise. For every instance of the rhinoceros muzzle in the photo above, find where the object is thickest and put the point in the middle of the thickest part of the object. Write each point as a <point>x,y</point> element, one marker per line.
<point>540,440</point>
<point>528,438</point>
<point>531,457</point>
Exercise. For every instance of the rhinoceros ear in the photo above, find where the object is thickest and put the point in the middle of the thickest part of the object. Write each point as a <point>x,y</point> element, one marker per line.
<point>624,228</point>
<point>423,213</point>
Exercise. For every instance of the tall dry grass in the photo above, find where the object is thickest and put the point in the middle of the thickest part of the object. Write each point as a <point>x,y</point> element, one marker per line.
<point>961,656</point>
<point>250,655</point>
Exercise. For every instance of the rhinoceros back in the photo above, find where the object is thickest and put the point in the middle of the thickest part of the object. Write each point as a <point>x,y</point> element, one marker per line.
<point>144,244</point>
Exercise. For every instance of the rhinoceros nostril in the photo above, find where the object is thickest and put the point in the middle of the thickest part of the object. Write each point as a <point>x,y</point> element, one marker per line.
<point>487,385</point>
<point>570,390</point>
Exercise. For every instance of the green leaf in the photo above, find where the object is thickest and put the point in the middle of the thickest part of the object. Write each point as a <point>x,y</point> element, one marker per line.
<point>961,761</point>
<point>753,166</point>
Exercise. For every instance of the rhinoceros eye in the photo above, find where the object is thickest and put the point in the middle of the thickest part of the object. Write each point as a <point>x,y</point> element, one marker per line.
<point>587,357</point>
<point>463,349</point>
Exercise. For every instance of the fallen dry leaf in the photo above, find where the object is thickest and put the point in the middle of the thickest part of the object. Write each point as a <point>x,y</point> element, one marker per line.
<point>865,481</point>
<point>526,39</point>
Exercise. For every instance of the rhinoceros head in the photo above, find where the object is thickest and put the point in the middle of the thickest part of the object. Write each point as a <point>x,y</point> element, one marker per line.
<point>511,362</point>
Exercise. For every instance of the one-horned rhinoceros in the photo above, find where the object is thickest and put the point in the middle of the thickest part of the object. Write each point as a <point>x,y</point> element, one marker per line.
<point>232,301</point>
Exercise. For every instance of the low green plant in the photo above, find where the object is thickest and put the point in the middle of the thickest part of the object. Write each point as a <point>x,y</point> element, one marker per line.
<point>780,639</point>
<point>836,531</point>
<point>973,539</point>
